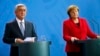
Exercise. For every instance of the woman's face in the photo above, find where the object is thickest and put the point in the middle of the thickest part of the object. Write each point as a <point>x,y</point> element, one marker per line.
<point>74,13</point>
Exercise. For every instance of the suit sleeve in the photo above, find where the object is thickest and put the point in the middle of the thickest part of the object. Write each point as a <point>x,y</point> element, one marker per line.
<point>89,32</point>
<point>33,32</point>
<point>66,31</point>
<point>7,35</point>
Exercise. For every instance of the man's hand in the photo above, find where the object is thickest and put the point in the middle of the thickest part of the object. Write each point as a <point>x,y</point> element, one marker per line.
<point>18,40</point>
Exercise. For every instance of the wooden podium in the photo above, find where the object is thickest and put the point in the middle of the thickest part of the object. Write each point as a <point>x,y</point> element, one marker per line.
<point>90,47</point>
<point>39,48</point>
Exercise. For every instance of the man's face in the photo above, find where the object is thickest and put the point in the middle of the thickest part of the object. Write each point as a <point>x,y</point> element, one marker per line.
<point>74,13</point>
<point>20,12</point>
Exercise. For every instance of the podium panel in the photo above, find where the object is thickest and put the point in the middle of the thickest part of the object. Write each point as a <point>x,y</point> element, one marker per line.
<point>40,48</point>
<point>91,47</point>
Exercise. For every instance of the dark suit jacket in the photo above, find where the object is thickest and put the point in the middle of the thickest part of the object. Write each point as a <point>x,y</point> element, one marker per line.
<point>12,31</point>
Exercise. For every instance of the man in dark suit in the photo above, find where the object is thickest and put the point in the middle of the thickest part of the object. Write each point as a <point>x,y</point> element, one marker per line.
<point>17,30</point>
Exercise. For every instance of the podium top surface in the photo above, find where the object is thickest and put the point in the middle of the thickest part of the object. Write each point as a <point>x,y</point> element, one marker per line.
<point>87,41</point>
<point>37,42</point>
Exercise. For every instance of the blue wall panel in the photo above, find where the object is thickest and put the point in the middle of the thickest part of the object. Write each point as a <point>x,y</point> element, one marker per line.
<point>48,16</point>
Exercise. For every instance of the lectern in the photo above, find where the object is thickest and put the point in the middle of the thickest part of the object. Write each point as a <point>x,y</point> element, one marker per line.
<point>39,48</point>
<point>90,47</point>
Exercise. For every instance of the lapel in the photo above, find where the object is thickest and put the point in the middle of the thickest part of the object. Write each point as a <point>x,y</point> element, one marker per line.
<point>17,28</point>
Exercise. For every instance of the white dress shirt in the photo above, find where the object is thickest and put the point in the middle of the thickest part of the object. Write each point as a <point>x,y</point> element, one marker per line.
<point>18,21</point>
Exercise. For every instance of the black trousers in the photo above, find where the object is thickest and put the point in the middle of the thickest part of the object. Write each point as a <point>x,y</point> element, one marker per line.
<point>74,54</point>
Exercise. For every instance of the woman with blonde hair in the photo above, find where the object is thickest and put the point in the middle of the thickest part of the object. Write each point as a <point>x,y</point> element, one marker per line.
<point>75,28</point>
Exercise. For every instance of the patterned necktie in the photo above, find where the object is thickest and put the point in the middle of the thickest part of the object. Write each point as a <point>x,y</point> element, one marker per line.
<point>22,28</point>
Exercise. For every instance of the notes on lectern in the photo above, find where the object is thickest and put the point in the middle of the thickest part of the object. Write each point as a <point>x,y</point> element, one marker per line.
<point>29,39</point>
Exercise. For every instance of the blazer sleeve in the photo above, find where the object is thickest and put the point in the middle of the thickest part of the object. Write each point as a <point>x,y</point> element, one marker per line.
<point>89,32</point>
<point>34,32</point>
<point>66,31</point>
<point>7,35</point>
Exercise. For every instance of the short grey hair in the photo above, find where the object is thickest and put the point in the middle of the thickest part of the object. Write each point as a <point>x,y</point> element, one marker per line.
<point>19,5</point>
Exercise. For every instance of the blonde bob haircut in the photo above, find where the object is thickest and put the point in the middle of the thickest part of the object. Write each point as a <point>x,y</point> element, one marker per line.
<point>72,7</point>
